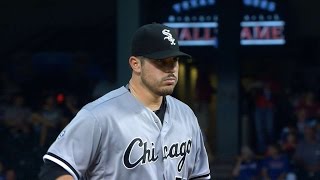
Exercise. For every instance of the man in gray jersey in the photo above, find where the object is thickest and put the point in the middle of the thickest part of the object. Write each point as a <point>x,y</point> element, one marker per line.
<point>138,131</point>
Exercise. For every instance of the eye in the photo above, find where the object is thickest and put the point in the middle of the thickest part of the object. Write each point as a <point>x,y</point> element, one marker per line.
<point>167,61</point>
<point>158,61</point>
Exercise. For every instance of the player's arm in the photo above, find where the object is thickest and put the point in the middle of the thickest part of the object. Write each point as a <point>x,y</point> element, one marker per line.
<point>52,171</point>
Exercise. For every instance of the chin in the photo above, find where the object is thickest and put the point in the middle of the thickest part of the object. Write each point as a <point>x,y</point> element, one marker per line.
<point>166,91</point>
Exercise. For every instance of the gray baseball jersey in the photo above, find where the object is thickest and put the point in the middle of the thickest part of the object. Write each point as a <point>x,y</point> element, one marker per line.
<point>116,137</point>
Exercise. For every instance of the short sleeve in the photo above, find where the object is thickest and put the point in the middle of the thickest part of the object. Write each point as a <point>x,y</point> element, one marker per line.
<point>77,146</point>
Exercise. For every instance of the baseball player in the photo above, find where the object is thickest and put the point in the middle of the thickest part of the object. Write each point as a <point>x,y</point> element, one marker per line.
<point>138,131</point>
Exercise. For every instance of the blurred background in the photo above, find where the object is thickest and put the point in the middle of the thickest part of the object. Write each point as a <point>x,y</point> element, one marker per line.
<point>253,81</point>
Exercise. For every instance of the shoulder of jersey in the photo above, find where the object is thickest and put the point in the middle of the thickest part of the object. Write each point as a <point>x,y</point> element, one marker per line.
<point>176,102</point>
<point>106,99</point>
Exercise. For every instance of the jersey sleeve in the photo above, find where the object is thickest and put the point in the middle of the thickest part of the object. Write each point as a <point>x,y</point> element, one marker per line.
<point>77,146</point>
<point>201,167</point>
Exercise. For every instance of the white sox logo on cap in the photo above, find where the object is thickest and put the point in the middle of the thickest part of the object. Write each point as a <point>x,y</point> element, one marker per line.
<point>168,35</point>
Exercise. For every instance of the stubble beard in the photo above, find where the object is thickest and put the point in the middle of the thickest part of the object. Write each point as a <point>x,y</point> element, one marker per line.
<point>157,88</point>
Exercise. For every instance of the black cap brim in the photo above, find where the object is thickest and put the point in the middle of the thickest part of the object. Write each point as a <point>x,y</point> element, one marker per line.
<point>167,54</point>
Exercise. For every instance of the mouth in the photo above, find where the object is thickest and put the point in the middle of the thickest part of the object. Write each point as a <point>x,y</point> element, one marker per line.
<point>170,80</point>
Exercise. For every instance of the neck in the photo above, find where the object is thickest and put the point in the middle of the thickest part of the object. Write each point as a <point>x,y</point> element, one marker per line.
<point>145,96</point>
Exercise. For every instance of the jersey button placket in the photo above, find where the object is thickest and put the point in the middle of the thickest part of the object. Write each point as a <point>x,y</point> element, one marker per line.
<point>156,120</point>
<point>166,163</point>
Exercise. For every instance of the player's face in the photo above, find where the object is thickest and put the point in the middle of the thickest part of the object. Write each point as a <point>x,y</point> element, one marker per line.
<point>160,76</point>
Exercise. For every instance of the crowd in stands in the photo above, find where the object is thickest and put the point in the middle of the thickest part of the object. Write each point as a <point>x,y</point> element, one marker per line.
<point>36,103</point>
<point>286,136</point>
<point>26,131</point>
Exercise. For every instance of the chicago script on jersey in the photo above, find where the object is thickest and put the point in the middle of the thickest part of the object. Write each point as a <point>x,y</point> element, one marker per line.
<point>147,155</point>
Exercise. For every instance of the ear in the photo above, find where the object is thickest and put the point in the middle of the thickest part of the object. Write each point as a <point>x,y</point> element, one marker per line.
<point>135,64</point>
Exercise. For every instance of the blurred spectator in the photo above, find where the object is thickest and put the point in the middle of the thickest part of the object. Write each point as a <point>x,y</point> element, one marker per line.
<point>309,104</point>
<point>17,115</point>
<point>301,119</point>
<point>275,166</point>
<point>289,140</point>
<point>307,155</point>
<point>264,115</point>
<point>17,138</point>
<point>70,107</point>
<point>246,167</point>
<point>48,121</point>
<point>289,144</point>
